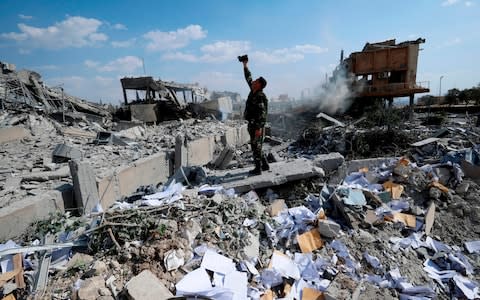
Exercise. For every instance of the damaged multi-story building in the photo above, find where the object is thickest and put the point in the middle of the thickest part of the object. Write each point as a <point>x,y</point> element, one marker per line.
<point>384,70</point>
<point>156,100</point>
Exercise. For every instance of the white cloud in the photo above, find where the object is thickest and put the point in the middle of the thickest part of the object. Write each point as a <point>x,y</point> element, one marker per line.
<point>119,26</point>
<point>222,51</point>
<point>124,65</point>
<point>310,49</point>
<point>161,40</point>
<point>24,51</point>
<point>123,44</point>
<point>94,88</point>
<point>25,17</point>
<point>452,42</point>
<point>450,2</point>
<point>221,81</point>
<point>278,56</point>
<point>91,64</point>
<point>469,3</point>
<point>180,56</point>
<point>46,67</point>
<point>72,32</point>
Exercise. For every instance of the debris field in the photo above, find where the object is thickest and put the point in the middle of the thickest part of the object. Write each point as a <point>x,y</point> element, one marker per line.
<point>95,208</point>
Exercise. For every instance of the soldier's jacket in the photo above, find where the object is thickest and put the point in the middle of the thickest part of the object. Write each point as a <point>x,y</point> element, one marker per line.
<point>256,107</point>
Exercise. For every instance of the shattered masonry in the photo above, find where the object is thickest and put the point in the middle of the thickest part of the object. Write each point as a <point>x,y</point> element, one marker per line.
<point>96,208</point>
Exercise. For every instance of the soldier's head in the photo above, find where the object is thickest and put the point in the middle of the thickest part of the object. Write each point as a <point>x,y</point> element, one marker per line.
<point>259,84</point>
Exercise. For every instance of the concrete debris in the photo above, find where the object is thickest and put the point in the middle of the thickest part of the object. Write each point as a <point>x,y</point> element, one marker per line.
<point>146,286</point>
<point>121,210</point>
<point>64,153</point>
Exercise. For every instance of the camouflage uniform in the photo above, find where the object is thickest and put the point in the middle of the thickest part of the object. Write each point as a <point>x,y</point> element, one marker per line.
<point>256,109</point>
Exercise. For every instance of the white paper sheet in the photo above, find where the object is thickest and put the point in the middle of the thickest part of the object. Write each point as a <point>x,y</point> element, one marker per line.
<point>473,246</point>
<point>196,281</point>
<point>237,282</point>
<point>285,266</point>
<point>217,263</point>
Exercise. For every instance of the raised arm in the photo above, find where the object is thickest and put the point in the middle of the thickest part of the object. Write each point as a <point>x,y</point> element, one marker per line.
<point>248,74</point>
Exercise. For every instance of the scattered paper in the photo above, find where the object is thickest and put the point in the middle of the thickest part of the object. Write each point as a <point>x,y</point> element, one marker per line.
<point>355,197</point>
<point>310,241</point>
<point>196,281</point>
<point>174,259</point>
<point>237,282</point>
<point>217,263</point>
<point>395,189</point>
<point>473,246</point>
<point>372,260</point>
<point>311,294</point>
<point>276,207</point>
<point>469,288</point>
<point>284,265</point>
<point>409,220</point>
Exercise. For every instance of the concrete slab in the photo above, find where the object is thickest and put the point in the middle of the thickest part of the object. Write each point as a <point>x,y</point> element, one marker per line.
<point>329,162</point>
<point>198,152</point>
<point>14,133</point>
<point>71,131</point>
<point>63,153</point>
<point>146,286</point>
<point>84,185</point>
<point>280,172</point>
<point>17,217</point>
<point>236,136</point>
<point>224,158</point>
<point>125,180</point>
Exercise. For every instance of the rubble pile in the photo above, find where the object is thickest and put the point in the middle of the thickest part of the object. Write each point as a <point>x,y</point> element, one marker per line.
<point>25,90</point>
<point>400,225</point>
<point>33,163</point>
<point>361,139</point>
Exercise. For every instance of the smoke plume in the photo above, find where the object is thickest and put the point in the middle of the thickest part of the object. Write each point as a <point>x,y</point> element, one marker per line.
<point>335,96</point>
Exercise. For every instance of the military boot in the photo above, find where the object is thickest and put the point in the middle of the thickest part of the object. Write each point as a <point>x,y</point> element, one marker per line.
<point>265,166</point>
<point>257,170</point>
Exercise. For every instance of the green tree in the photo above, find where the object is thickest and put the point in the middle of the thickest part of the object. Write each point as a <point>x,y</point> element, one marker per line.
<point>452,96</point>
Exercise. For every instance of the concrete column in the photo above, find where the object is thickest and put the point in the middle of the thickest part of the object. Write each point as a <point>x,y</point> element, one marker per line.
<point>411,107</point>
<point>84,186</point>
<point>390,102</point>
<point>180,152</point>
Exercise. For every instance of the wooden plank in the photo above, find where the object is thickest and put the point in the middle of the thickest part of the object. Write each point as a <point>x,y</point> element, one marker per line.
<point>18,265</point>
<point>429,218</point>
<point>425,142</point>
<point>7,276</point>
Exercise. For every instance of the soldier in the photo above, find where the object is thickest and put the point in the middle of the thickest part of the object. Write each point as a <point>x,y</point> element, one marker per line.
<point>256,109</point>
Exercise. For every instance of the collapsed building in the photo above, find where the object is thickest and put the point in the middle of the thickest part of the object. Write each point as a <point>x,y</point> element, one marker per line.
<point>384,70</point>
<point>168,210</point>
<point>163,100</point>
<point>25,88</point>
<point>379,73</point>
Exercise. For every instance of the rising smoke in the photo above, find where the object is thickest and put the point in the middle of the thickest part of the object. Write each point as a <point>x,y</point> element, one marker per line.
<point>336,95</point>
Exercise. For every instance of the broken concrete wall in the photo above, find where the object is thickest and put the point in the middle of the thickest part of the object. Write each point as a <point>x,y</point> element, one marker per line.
<point>125,180</point>
<point>236,136</point>
<point>198,152</point>
<point>14,133</point>
<point>16,218</point>
<point>144,112</point>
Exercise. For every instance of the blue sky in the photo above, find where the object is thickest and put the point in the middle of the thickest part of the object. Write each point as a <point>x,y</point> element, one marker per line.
<point>89,45</point>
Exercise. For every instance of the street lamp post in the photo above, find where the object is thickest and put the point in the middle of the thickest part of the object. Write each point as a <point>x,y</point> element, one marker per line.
<point>440,87</point>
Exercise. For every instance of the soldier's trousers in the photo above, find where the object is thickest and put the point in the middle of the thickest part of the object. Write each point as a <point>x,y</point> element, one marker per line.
<point>256,142</point>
